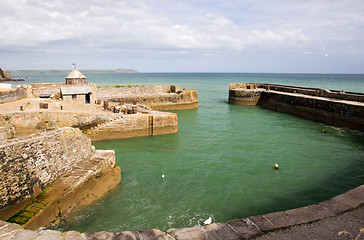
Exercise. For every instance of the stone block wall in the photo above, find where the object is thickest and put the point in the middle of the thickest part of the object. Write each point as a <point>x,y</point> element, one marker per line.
<point>46,88</point>
<point>185,99</point>
<point>24,123</point>
<point>323,110</point>
<point>28,165</point>
<point>315,104</point>
<point>164,123</point>
<point>107,92</point>
<point>13,95</point>
<point>95,126</point>
<point>135,125</point>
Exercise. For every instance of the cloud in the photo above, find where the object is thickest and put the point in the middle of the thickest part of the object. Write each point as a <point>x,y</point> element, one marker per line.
<point>171,28</point>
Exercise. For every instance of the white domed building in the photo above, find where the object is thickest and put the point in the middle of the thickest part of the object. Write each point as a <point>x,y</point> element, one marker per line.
<point>77,88</point>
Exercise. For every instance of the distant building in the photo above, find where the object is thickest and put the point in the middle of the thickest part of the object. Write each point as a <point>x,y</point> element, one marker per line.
<point>80,93</point>
<point>75,78</point>
<point>77,88</point>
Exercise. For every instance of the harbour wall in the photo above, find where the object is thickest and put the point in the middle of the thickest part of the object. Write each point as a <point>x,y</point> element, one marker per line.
<point>12,95</point>
<point>105,92</point>
<point>337,108</point>
<point>95,126</point>
<point>29,165</point>
<point>163,97</point>
<point>158,97</point>
<point>135,125</point>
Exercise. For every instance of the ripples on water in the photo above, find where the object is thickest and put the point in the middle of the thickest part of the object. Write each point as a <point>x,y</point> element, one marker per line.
<point>220,163</point>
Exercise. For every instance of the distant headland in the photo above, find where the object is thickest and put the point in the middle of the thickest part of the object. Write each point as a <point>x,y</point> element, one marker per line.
<point>6,77</point>
<point>22,72</point>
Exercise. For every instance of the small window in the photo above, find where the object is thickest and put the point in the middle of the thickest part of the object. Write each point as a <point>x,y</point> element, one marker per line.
<point>74,96</point>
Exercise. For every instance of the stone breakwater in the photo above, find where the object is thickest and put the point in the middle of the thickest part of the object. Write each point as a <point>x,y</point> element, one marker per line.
<point>135,125</point>
<point>164,97</point>
<point>99,126</point>
<point>337,108</point>
<point>246,228</point>
<point>44,175</point>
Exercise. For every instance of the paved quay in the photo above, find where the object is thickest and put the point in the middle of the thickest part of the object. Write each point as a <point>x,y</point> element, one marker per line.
<point>32,105</point>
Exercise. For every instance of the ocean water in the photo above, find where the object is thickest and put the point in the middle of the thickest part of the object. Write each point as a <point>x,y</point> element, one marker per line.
<point>220,163</point>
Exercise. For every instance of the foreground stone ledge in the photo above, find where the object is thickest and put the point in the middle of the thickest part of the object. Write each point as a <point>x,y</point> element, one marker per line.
<point>247,228</point>
<point>54,172</point>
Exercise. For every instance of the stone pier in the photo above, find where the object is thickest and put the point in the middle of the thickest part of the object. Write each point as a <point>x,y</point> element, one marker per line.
<point>337,108</point>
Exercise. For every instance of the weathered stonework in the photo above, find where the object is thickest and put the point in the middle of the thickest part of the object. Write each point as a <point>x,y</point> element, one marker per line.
<point>12,95</point>
<point>99,126</point>
<point>163,97</point>
<point>135,125</point>
<point>160,97</point>
<point>25,123</point>
<point>29,165</point>
<point>342,109</point>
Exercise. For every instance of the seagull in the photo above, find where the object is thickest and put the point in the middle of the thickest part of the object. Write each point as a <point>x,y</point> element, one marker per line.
<point>163,176</point>
<point>208,221</point>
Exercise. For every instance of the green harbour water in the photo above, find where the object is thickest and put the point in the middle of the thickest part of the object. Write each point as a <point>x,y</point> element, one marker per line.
<point>220,163</point>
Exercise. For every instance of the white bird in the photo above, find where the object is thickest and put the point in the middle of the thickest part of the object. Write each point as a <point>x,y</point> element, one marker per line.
<point>163,176</point>
<point>208,221</point>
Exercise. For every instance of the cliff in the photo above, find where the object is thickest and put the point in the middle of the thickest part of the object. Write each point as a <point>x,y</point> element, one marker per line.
<point>4,75</point>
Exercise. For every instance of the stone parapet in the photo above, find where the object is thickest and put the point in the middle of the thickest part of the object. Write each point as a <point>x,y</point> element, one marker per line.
<point>12,95</point>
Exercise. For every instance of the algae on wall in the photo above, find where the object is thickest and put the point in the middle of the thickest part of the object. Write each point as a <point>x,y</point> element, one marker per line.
<point>30,164</point>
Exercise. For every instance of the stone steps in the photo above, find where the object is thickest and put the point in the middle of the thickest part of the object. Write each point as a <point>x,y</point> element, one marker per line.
<point>49,202</point>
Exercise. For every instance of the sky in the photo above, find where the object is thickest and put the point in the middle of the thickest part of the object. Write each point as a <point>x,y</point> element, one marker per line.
<point>288,36</point>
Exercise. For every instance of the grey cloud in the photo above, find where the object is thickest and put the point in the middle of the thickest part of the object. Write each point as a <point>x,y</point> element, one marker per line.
<point>167,28</point>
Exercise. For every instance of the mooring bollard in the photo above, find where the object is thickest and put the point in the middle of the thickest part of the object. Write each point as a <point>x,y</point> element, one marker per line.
<point>106,105</point>
<point>21,108</point>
